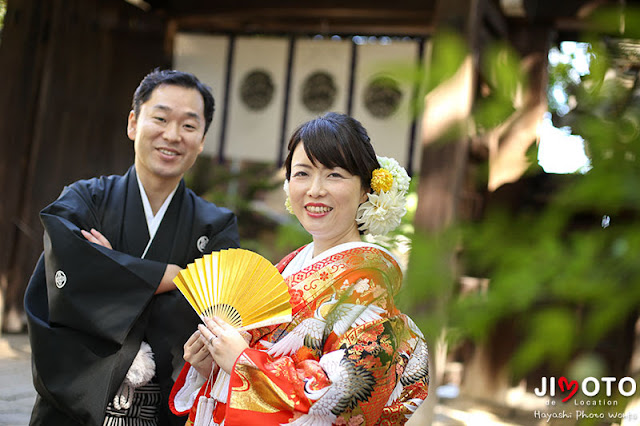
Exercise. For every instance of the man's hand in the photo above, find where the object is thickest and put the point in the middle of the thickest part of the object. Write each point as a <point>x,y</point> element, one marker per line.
<point>167,279</point>
<point>166,284</point>
<point>96,237</point>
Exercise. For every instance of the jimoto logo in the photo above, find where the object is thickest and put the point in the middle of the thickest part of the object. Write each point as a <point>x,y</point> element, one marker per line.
<point>590,386</point>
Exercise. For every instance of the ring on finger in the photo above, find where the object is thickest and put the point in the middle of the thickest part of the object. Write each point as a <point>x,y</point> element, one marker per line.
<point>211,340</point>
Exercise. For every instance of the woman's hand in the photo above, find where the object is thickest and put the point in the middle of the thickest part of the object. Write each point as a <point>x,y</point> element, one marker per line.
<point>225,343</point>
<point>197,354</point>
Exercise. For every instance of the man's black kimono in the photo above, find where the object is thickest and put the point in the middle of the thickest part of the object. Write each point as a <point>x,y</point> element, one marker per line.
<point>89,308</point>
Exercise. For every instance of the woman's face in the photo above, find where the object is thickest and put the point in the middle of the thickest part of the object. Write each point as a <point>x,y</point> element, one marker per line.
<point>324,200</point>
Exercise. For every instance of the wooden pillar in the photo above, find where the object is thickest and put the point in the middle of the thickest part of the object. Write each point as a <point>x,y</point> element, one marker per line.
<point>508,145</point>
<point>69,69</point>
<point>445,150</point>
<point>446,191</point>
<point>486,373</point>
<point>445,134</point>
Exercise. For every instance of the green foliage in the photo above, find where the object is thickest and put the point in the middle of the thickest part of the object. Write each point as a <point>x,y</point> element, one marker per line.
<point>291,235</point>
<point>414,76</point>
<point>554,270</point>
<point>3,12</point>
<point>617,21</point>
<point>427,291</point>
<point>237,186</point>
<point>552,333</point>
<point>448,53</point>
<point>502,74</point>
<point>560,253</point>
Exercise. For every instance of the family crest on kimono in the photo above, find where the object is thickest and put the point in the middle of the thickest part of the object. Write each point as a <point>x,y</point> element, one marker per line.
<point>349,356</point>
<point>106,330</point>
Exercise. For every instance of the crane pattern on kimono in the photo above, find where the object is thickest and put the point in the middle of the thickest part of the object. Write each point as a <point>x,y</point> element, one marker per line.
<point>331,315</point>
<point>416,366</point>
<point>350,384</point>
<point>416,369</point>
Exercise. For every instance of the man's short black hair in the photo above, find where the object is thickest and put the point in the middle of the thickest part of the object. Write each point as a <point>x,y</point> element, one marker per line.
<point>176,78</point>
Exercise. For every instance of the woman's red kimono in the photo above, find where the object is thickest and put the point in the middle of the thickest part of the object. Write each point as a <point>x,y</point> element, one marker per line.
<point>348,357</point>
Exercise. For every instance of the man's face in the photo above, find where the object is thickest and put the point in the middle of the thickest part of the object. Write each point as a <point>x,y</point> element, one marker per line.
<point>168,133</point>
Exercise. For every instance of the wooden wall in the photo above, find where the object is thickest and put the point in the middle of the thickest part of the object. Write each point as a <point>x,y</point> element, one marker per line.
<point>351,67</point>
<point>68,70</point>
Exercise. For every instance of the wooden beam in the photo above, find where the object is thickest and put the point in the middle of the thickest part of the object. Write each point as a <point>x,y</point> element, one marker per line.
<point>323,21</point>
<point>175,8</point>
<point>323,13</point>
<point>214,24</point>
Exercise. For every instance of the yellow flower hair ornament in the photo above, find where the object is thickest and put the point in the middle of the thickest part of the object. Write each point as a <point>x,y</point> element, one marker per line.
<point>384,209</point>
<point>287,202</point>
<point>381,180</point>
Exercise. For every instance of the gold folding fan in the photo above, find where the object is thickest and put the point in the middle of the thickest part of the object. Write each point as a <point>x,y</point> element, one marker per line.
<point>239,286</point>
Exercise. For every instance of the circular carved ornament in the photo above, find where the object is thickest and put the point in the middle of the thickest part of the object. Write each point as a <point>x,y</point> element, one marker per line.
<point>256,90</point>
<point>319,91</point>
<point>382,96</point>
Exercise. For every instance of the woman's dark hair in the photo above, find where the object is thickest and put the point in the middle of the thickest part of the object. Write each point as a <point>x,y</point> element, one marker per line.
<point>336,140</point>
<point>159,77</point>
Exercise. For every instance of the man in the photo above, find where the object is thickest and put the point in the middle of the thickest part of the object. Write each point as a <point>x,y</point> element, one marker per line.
<point>102,293</point>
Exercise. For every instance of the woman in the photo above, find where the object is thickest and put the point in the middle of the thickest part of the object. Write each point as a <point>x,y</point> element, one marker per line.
<point>348,357</point>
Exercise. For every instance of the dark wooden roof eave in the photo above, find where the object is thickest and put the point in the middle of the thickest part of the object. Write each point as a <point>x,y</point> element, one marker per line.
<point>311,21</point>
<point>200,24</point>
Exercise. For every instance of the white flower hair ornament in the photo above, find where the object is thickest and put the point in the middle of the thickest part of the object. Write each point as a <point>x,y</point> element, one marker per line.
<point>382,212</point>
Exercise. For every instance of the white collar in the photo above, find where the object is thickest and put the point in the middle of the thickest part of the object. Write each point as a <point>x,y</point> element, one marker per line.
<point>306,258</point>
<point>153,222</point>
